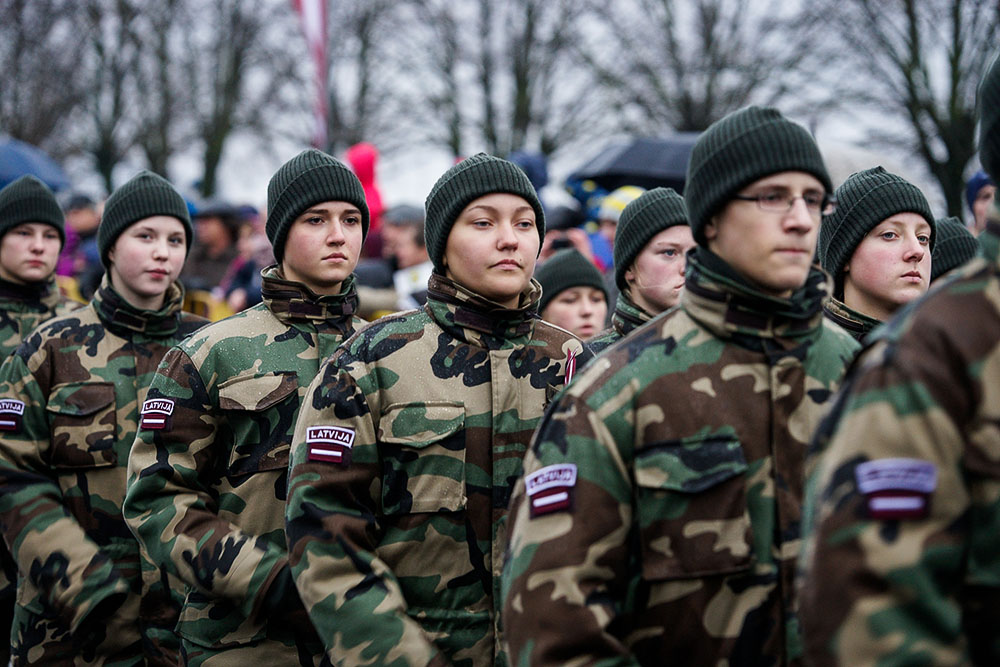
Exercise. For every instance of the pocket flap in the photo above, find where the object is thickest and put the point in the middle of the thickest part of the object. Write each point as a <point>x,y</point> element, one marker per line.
<point>256,392</point>
<point>79,399</point>
<point>421,424</point>
<point>689,465</point>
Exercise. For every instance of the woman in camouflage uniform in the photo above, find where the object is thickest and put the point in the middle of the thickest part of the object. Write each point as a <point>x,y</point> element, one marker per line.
<point>209,467</point>
<point>411,439</point>
<point>69,410</point>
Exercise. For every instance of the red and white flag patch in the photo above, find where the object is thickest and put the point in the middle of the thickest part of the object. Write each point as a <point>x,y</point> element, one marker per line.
<point>897,488</point>
<point>330,444</point>
<point>11,411</point>
<point>155,414</point>
<point>551,489</point>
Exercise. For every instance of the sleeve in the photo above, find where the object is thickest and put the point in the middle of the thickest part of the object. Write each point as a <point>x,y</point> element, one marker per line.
<point>170,504</point>
<point>564,578</point>
<point>353,598</point>
<point>68,571</point>
<point>904,507</point>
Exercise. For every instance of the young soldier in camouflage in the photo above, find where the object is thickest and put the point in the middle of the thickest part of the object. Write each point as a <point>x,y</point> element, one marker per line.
<point>902,566</point>
<point>70,400</point>
<point>877,247</point>
<point>208,471</point>
<point>658,517</point>
<point>411,439</point>
<point>650,247</point>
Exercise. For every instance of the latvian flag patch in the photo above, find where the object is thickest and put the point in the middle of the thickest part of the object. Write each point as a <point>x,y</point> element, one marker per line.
<point>897,488</point>
<point>10,414</point>
<point>551,489</point>
<point>330,444</point>
<point>155,414</point>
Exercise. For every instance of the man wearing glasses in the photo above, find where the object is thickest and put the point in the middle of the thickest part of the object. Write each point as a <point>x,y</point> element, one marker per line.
<point>659,511</point>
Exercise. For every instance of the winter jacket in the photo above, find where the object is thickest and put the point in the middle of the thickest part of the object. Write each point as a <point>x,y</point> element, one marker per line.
<point>626,318</point>
<point>857,324</point>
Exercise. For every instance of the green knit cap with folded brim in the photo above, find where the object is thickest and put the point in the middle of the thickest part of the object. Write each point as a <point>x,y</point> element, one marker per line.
<point>143,196</point>
<point>743,147</point>
<point>955,246</point>
<point>309,178</point>
<point>565,269</point>
<point>989,120</point>
<point>29,200</point>
<point>864,200</point>
<point>642,219</point>
<point>465,182</point>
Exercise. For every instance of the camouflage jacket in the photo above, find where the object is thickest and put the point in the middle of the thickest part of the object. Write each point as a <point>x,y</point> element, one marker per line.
<point>659,511</point>
<point>69,411</point>
<point>405,456</point>
<point>857,324</point>
<point>24,307</point>
<point>627,317</point>
<point>903,563</point>
<point>208,470</point>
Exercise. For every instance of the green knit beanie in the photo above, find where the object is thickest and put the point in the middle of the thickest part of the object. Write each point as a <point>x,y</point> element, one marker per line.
<point>955,246</point>
<point>864,200</point>
<point>565,269</point>
<point>143,196</point>
<point>29,200</point>
<point>642,219</point>
<point>741,148</point>
<point>468,180</point>
<point>989,120</point>
<point>309,178</point>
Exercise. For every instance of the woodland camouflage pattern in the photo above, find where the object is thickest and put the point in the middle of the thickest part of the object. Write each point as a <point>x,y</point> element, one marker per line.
<point>914,590</point>
<point>397,554</point>
<point>682,531</point>
<point>22,309</point>
<point>207,493</point>
<point>82,378</point>
<point>857,324</point>
<point>626,318</point>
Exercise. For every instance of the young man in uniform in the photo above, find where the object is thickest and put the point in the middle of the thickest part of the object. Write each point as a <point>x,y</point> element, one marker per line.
<point>411,438</point>
<point>902,563</point>
<point>659,510</point>
<point>209,466</point>
<point>651,245</point>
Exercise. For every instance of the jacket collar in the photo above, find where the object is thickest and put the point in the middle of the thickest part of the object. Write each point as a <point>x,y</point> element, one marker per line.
<point>41,296</point>
<point>476,320</point>
<point>294,303</point>
<point>628,315</point>
<point>121,317</point>
<point>857,324</point>
<point>723,302</point>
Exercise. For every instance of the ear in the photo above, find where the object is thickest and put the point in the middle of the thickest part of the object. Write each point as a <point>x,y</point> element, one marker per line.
<point>630,275</point>
<point>712,228</point>
<point>111,253</point>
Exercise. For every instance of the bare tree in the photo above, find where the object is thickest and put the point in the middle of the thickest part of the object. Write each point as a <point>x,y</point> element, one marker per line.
<point>683,65</point>
<point>917,63</point>
<point>157,84</point>
<point>41,46</point>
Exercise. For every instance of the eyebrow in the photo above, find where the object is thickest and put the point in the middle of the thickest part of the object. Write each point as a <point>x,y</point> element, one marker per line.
<point>326,210</point>
<point>492,209</point>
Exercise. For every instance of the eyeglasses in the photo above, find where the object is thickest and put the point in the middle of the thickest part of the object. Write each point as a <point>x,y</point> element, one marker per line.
<point>781,202</point>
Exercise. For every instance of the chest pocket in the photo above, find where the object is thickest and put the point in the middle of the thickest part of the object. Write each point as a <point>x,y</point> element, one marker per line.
<point>260,411</point>
<point>83,425</point>
<point>423,457</point>
<point>692,509</point>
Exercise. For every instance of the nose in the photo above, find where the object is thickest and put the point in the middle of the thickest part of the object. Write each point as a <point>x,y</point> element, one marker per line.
<point>335,233</point>
<point>37,243</point>
<point>915,250</point>
<point>586,308</point>
<point>506,236</point>
<point>161,249</point>
<point>799,219</point>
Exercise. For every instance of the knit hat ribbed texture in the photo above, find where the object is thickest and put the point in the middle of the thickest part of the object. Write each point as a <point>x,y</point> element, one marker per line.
<point>565,269</point>
<point>641,220</point>
<point>864,200</point>
<point>29,200</point>
<point>143,196</point>
<point>955,246</point>
<point>741,148</point>
<point>989,120</point>
<point>465,182</point>
<point>309,178</point>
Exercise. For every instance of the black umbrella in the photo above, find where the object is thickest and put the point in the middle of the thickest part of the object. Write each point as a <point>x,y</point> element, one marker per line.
<point>648,162</point>
<point>18,158</point>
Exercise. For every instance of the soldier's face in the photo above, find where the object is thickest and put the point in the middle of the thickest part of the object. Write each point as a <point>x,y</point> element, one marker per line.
<point>29,252</point>
<point>323,246</point>
<point>492,247</point>
<point>890,267</point>
<point>774,250</point>
<point>579,310</point>
<point>146,259</point>
<point>657,274</point>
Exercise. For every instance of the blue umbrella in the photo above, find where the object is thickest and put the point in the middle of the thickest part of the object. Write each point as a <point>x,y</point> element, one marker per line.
<point>18,158</point>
